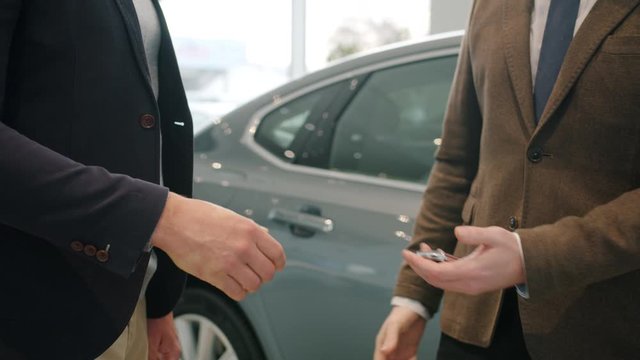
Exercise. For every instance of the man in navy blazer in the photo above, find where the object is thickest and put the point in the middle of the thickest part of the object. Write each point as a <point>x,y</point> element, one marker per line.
<point>85,141</point>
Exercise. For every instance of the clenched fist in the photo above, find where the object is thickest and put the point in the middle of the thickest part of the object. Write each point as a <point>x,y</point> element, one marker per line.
<point>218,246</point>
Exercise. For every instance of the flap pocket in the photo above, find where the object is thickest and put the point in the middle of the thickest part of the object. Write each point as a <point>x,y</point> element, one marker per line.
<point>467,210</point>
<point>622,45</point>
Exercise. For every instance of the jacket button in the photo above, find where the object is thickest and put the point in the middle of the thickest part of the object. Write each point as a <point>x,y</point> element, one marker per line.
<point>76,246</point>
<point>147,121</point>
<point>513,223</point>
<point>102,256</point>
<point>535,154</point>
<point>90,250</point>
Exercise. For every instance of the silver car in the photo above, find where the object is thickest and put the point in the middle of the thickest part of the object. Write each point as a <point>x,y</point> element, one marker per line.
<point>334,164</point>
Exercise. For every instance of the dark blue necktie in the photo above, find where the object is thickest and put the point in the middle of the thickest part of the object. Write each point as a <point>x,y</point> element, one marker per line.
<point>558,33</point>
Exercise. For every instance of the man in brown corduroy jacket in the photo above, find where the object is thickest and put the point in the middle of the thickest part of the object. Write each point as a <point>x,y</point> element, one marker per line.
<point>541,156</point>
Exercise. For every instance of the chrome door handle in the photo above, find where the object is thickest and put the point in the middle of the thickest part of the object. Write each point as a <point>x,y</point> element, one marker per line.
<point>297,218</point>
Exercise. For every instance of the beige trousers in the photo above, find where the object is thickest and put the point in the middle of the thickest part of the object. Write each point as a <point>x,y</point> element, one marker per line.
<point>132,343</point>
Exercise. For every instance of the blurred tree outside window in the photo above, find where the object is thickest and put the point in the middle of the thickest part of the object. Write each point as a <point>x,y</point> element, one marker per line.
<point>358,35</point>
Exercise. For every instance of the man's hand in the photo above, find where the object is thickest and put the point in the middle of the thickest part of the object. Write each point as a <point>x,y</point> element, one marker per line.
<point>399,336</point>
<point>218,246</point>
<point>495,264</point>
<point>163,340</point>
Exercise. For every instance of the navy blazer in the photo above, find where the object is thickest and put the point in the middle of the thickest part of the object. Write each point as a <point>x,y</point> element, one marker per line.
<point>79,166</point>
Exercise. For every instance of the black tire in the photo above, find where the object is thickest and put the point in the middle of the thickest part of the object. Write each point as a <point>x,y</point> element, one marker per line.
<point>226,315</point>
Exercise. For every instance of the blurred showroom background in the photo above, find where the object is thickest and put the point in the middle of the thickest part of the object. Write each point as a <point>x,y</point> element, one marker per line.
<point>233,51</point>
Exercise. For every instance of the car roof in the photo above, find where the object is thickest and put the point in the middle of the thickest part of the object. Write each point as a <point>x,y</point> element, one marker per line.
<point>384,53</point>
<point>402,48</point>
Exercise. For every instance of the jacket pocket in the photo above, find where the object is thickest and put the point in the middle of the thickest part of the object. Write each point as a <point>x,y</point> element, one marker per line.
<point>622,45</point>
<point>468,210</point>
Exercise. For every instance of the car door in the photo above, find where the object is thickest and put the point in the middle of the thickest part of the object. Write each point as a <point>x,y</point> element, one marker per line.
<point>347,164</point>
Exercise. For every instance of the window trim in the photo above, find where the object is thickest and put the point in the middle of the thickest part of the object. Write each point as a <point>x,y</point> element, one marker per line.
<point>248,137</point>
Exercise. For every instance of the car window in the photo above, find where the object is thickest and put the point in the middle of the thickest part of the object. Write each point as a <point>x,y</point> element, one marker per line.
<point>392,127</point>
<point>295,119</point>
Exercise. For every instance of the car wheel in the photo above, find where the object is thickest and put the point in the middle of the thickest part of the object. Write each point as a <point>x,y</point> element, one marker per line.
<point>211,327</point>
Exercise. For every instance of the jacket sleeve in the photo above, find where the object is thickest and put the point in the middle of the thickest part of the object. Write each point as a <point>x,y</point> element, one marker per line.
<point>61,201</point>
<point>449,183</point>
<point>576,251</point>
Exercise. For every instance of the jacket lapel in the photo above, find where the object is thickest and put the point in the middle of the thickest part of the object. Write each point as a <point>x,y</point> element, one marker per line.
<point>128,12</point>
<point>516,24</point>
<point>601,21</point>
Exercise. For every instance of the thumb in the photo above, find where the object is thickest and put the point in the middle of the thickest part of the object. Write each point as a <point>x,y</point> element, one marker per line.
<point>390,341</point>
<point>473,235</point>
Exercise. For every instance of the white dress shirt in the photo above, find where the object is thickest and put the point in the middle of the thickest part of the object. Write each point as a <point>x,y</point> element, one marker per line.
<point>538,22</point>
<point>151,35</point>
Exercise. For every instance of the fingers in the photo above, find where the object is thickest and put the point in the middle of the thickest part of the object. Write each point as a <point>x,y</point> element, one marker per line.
<point>153,355</point>
<point>259,262</point>
<point>261,266</point>
<point>378,353</point>
<point>254,258</point>
<point>473,235</point>
<point>476,252</point>
<point>437,274</point>
<point>423,267</point>
<point>420,264</point>
<point>246,278</point>
<point>490,266</point>
<point>170,348</point>
<point>465,275</point>
<point>399,335</point>
<point>390,340</point>
<point>233,289</point>
<point>194,232</point>
<point>272,250</point>
<point>163,342</point>
<point>153,352</point>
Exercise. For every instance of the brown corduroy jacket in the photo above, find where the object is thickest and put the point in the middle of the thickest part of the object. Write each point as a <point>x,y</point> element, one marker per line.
<point>570,184</point>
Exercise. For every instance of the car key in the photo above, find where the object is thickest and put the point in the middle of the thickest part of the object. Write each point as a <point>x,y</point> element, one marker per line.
<point>437,255</point>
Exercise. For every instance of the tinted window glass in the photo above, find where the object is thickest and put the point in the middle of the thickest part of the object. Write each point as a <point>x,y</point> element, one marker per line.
<point>392,127</point>
<point>279,128</point>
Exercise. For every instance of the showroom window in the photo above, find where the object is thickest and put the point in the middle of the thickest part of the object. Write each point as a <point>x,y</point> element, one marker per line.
<point>392,127</point>
<point>229,52</point>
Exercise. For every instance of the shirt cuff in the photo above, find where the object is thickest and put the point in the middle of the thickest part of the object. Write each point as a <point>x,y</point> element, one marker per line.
<point>522,289</point>
<point>411,304</point>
